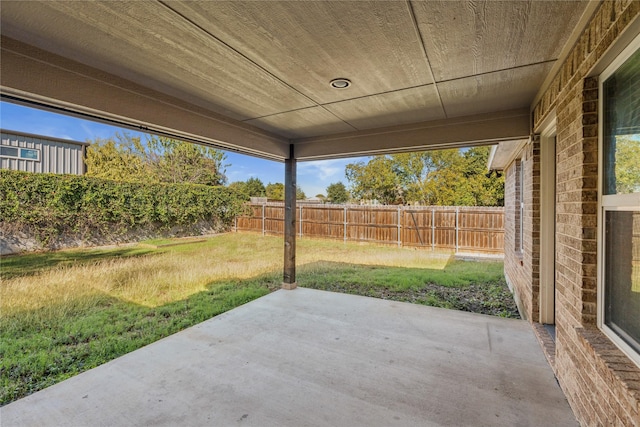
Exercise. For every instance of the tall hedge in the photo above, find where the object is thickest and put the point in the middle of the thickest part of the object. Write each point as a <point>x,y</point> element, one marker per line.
<point>50,206</point>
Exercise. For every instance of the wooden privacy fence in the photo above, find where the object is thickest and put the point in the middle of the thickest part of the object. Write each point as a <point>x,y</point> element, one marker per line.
<point>462,229</point>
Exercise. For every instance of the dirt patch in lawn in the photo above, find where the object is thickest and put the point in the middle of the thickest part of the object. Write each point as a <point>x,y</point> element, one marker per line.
<point>482,298</point>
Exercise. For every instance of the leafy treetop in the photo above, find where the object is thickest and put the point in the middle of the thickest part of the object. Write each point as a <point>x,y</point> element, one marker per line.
<point>276,192</point>
<point>337,193</point>
<point>443,177</point>
<point>158,159</point>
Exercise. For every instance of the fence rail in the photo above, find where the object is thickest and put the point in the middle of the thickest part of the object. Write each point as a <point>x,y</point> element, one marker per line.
<point>462,229</point>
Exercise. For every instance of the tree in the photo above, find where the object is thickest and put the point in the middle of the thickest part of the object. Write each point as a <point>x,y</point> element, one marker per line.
<point>337,193</point>
<point>252,187</point>
<point>481,187</point>
<point>374,180</point>
<point>159,159</point>
<point>429,177</point>
<point>276,192</point>
<point>440,177</point>
<point>255,188</point>
<point>117,158</point>
<point>627,165</point>
<point>176,161</point>
<point>300,194</point>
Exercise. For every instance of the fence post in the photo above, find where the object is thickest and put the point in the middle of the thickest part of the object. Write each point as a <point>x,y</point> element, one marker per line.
<point>345,223</point>
<point>300,221</point>
<point>263,230</point>
<point>433,229</point>
<point>235,224</point>
<point>457,227</point>
<point>399,226</point>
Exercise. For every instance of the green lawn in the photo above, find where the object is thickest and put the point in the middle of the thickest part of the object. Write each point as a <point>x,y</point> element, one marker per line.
<point>64,312</point>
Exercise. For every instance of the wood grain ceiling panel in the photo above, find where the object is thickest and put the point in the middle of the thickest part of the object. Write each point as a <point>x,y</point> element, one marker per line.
<point>394,108</point>
<point>306,44</point>
<point>503,90</point>
<point>303,123</point>
<point>270,63</point>
<point>149,44</point>
<point>36,78</point>
<point>465,38</point>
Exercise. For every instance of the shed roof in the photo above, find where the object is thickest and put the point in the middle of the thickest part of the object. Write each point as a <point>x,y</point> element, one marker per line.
<point>43,137</point>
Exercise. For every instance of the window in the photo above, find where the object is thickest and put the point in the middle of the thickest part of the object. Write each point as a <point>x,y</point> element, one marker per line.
<point>20,153</point>
<point>619,213</point>
<point>519,208</point>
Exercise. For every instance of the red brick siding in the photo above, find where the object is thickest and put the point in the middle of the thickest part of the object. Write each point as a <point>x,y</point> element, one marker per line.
<point>522,269</point>
<point>513,261</point>
<point>601,383</point>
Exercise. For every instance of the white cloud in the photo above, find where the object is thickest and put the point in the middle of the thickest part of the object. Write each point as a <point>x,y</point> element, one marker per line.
<point>238,173</point>
<point>314,177</point>
<point>324,170</point>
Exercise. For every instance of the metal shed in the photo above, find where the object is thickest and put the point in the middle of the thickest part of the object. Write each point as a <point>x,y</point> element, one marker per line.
<point>37,153</point>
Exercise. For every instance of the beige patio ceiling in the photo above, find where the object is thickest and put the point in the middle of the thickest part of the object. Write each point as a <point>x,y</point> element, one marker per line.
<point>254,76</point>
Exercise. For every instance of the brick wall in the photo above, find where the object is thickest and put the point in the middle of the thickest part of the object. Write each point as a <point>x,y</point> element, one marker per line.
<point>601,383</point>
<point>522,268</point>
<point>513,262</point>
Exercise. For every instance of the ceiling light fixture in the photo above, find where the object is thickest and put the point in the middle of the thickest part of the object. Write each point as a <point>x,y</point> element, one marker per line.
<point>340,83</point>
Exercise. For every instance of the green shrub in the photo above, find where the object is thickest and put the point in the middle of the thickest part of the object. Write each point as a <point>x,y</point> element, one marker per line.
<point>50,206</point>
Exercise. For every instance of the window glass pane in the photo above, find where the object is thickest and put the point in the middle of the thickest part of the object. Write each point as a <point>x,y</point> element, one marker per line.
<point>622,281</point>
<point>9,151</point>
<point>27,153</point>
<point>621,131</point>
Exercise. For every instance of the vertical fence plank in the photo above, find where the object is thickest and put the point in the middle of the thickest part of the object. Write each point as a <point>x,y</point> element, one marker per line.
<point>300,228</point>
<point>399,226</point>
<point>345,223</point>
<point>433,229</point>
<point>457,228</point>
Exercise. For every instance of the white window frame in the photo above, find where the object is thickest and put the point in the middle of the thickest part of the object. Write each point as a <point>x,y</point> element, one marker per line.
<point>521,207</point>
<point>618,202</point>
<point>519,202</point>
<point>19,156</point>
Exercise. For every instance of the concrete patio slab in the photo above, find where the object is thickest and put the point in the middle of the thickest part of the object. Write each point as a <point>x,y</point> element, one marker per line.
<point>314,358</point>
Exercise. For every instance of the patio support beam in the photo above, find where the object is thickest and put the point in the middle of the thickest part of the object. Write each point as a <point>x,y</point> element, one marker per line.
<point>40,79</point>
<point>289,281</point>
<point>467,131</point>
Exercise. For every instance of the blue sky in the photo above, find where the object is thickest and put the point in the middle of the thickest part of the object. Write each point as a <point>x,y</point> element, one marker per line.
<point>313,177</point>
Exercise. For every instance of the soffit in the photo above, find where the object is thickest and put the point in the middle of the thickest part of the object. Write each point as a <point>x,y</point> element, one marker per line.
<point>503,154</point>
<point>269,63</point>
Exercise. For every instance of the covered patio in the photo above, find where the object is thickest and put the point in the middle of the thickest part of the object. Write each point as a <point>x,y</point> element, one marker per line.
<point>293,81</point>
<point>302,81</point>
<point>315,358</point>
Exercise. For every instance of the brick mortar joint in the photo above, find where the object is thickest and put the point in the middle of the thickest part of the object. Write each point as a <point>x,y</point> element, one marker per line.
<point>596,341</point>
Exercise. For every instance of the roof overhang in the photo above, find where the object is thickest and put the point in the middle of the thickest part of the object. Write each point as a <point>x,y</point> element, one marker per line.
<point>504,153</point>
<point>253,77</point>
